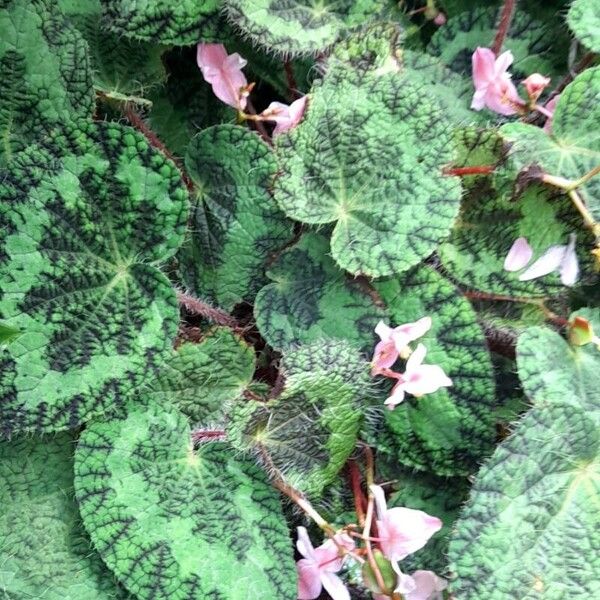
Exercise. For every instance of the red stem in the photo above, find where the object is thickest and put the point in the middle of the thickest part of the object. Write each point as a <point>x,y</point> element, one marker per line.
<point>360,502</point>
<point>291,80</point>
<point>464,171</point>
<point>260,127</point>
<point>202,309</point>
<point>508,10</point>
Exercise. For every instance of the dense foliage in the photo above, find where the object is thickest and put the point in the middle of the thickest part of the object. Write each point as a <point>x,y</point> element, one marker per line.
<point>282,270</point>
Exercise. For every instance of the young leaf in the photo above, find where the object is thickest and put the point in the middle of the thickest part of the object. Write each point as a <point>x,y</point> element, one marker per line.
<point>584,20</point>
<point>306,434</point>
<point>85,218</point>
<point>294,27</point>
<point>202,379</point>
<point>165,22</point>
<point>368,156</point>
<point>449,431</point>
<point>178,522</point>
<point>541,482</point>
<point>528,40</point>
<point>573,147</point>
<point>311,298</point>
<point>45,73</point>
<point>123,69</point>
<point>45,552</point>
<point>236,223</point>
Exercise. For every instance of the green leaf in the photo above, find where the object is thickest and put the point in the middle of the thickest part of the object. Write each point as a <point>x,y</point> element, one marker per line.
<point>45,552</point>
<point>236,224</point>
<point>573,148</point>
<point>294,27</point>
<point>584,20</point>
<point>201,380</point>
<point>307,433</point>
<point>449,431</point>
<point>123,69</point>
<point>528,40</point>
<point>178,522</point>
<point>311,298</point>
<point>543,482</point>
<point>45,73</point>
<point>488,225</point>
<point>82,233</point>
<point>440,497</point>
<point>367,157</point>
<point>179,23</point>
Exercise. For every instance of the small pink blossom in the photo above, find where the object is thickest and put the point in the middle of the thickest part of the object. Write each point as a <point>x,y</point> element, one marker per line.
<point>402,531</point>
<point>440,19</point>
<point>493,85</point>
<point>518,256</point>
<point>394,342</point>
<point>562,259</point>
<point>286,117</point>
<point>426,585</point>
<point>224,73</point>
<point>318,567</point>
<point>550,107</point>
<point>418,379</point>
<point>535,84</point>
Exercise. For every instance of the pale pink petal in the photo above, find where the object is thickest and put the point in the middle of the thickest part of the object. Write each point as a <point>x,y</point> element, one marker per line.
<point>426,379</point>
<point>397,395</point>
<point>309,580</point>
<point>404,530</point>
<point>502,63</point>
<point>234,62</point>
<point>385,356</point>
<point>550,107</point>
<point>482,61</point>
<point>295,114</point>
<point>380,503</point>
<point>335,586</point>
<point>502,97</point>
<point>478,101</point>
<point>440,19</point>
<point>410,332</point>
<point>547,263</point>
<point>328,554</point>
<point>569,266</point>
<point>428,586</point>
<point>278,112</point>
<point>383,331</point>
<point>304,545</point>
<point>405,583</point>
<point>518,256</point>
<point>416,358</point>
<point>210,56</point>
<point>535,84</point>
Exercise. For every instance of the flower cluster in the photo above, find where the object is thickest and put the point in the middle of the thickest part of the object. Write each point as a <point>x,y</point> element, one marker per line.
<point>401,531</point>
<point>229,84</point>
<point>495,90</point>
<point>418,379</point>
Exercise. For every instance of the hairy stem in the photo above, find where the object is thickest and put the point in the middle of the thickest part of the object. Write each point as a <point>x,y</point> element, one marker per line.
<point>202,309</point>
<point>260,127</point>
<point>508,10</point>
<point>291,80</point>
<point>354,477</point>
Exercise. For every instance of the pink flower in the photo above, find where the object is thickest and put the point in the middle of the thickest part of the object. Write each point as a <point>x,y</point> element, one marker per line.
<point>394,342</point>
<point>556,258</point>
<point>426,585</point>
<point>549,109</point>
<point>518,256</point>
<point>440,19</point>
<point>286,117</point>
<point>224,73</point>
<point>318,567</point>
<point>401,532</point>
<point>418,379</point>
<point>493,85</point>
<point>535,84</point>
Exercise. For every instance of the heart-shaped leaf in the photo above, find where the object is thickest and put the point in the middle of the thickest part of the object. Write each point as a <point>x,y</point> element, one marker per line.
<point>176,522</point>
<point>236,223</point>
<point>584,20</point>
<point>45,552</point>
<point>306,434</point>
<point>44,70</point>
<point>311,298</point>
<point>368,157</point>
<point>82,233</point>
<point>449,431</point>
<point>573,148</point>
<point>201,380</point>
<point>543,482</point>
<point>165,22</point>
